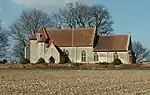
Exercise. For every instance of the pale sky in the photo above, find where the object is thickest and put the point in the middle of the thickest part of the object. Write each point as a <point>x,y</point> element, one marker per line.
<point>128,15</point>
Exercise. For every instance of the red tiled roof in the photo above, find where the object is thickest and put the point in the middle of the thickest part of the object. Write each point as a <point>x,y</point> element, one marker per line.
<point>63,37</point>
<point>112,43</point>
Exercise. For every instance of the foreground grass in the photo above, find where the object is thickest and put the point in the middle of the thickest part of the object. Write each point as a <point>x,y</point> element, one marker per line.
<point>74,68</point>
<point>74,82</point>
<point>57,68</point>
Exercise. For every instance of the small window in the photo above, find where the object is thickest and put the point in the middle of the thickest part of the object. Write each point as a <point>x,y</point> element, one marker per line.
<point>115,55</point>
<point>95,57</point>
<point>38,36</point>
<point>83,56</point>
<point>67,52</point>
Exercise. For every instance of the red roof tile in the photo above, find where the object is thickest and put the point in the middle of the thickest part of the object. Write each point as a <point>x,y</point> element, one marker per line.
<point>112,43</point>
<point>63,37</point>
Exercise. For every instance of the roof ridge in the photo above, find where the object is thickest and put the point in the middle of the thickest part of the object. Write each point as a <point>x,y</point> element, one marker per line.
<point>115,35</point>
<point>70,28</point>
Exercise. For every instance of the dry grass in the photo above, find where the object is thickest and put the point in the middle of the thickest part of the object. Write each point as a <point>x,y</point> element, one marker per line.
<point>75,82</point>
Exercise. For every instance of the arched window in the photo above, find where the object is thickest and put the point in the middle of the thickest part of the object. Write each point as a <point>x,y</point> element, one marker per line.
<point>83,56</point>
<point>95,57</point>
<point>67,52</point>
<point>51,60</point>
<point>115,55</point>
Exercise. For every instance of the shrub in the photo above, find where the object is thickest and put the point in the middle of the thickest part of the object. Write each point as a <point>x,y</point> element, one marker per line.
<point>4,61</point>
<point>25,61</point>
<point>105,63</point>
<point>64,59</point>
<point>40,61</point>
<point>117,62</point>
<point>77,64</point>
<point>98,63</point>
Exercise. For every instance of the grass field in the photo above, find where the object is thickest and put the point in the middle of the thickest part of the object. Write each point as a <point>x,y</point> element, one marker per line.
<point>74,82</point>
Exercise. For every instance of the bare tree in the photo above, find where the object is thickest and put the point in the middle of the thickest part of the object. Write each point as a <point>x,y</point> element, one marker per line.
<point>3,42</point>
<point>18,50</point>
<point>75,15</point>
<point>29,22</point>
<point>141,53</point>
<point>57,20</point>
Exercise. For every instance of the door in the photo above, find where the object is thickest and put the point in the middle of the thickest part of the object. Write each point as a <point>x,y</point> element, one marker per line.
<point>51,60</point>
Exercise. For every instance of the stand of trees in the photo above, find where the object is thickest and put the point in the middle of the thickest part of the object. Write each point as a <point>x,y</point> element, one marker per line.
<point>28,23</point>
<point>3,42</point>
<point>141,53</point>
<point>73,15</point>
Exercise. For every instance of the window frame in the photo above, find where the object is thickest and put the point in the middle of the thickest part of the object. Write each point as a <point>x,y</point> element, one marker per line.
<point>83,56</point>
<point>96,57</point>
